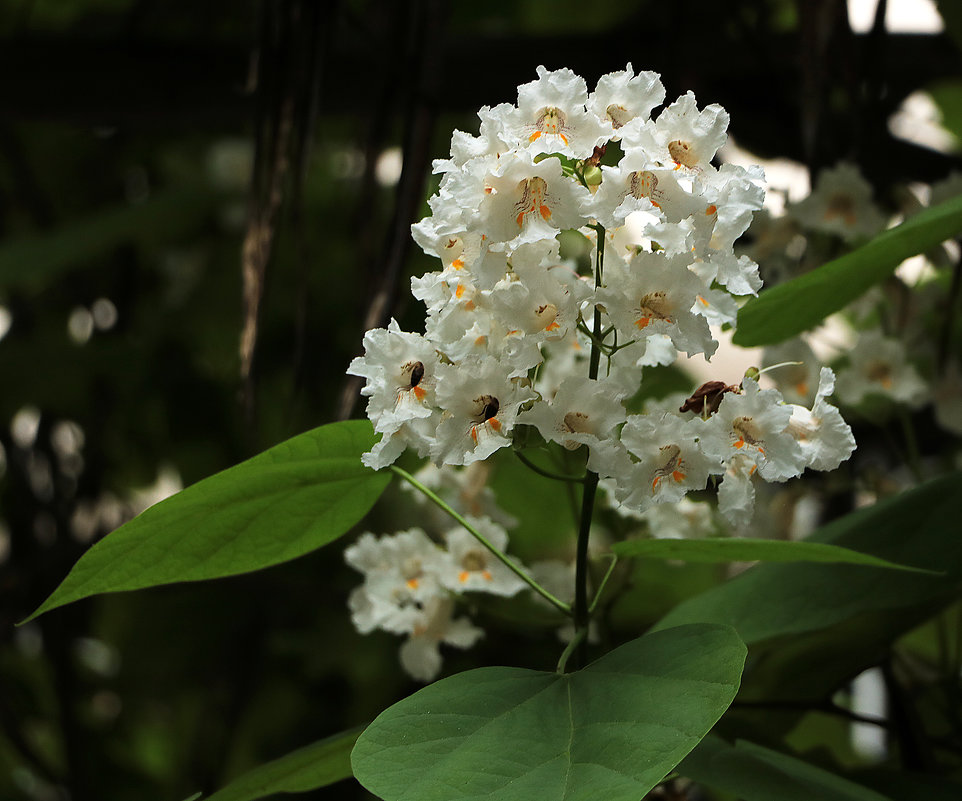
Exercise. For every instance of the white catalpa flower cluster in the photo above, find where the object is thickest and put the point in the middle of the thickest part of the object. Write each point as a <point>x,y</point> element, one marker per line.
<point>411,584</point>
<point>517,335</point>
<point>509,322</point>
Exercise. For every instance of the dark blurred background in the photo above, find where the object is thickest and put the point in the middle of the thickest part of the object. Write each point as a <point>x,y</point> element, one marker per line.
<point>202,208</point>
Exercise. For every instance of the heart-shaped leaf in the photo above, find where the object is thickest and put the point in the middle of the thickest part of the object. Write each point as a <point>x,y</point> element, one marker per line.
<point>612,730</point>
<point>280,504</point>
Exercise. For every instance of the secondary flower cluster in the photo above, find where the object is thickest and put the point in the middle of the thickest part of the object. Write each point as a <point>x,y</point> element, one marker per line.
<point>410,586</point>
<point>509,322</point>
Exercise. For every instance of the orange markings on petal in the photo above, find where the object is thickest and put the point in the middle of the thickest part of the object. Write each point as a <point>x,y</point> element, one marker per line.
<point>412,583</point>
<point>463,576</point>
<point>712,209</point>
<point>486,575</point>
<point>654,483</point>
<point>535,135</point>
<point>740,444</point>
<point>459,291</point>
<point>520,219</point>
<point>458,264</point>
<point>761,450</point>
<point>419,392</point>
<point>702,301</point>
<point>495,423</point>
<point>554,326</point>
<point>481,340</point>
<point>678,475</point>
<point>474,434</point>
<point>642,322</point>
<point>752,471</point>
<point>802,387</point>
<point>545,213</point>
<point>563,138</point>
<point>469,306</point>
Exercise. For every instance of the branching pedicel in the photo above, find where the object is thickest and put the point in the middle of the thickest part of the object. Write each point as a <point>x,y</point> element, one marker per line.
<point>515,336</point>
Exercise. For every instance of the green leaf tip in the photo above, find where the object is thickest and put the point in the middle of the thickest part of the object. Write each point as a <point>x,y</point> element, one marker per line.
<point>283,503</point>
<point>316,765</point>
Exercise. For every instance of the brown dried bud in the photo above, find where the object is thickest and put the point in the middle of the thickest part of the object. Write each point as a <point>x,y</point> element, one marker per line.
<point>595,158</point>
<point>708,395</point>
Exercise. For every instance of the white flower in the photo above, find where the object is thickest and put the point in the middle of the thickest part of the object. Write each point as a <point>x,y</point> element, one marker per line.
<point>655,295</point>
<point>625,100</point>
<point>551,116</point>
<point>525,202</point>
<point>683,136</point>
<point>480,404</point>
<point>421,653</point>
<point>401,574</point>
<point>878,366</point>
<point>456,250</point>
<point>489,145</point>
<point>670,460</point>
<point>736,493</point>
<point>400,369</point>
<point>582,412</point>
<point>535,303</point>
<point>472,567</point>
<point>825,438</point>
<point>753,424</point>
<point>841,204</point>
<point>401,373</point>
<point>683,520</point>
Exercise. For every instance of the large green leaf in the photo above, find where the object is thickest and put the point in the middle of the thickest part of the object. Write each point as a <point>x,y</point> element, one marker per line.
<point>612,730</point>
<point>753,773</point>
<point>316,765</point>
<point>802,303</point>
<point>738,549</point>
<point>812,626</point>
<point>280,504</point>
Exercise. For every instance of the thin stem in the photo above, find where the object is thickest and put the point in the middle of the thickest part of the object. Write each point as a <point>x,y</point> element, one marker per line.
<point>581,611</point>
<point>776,366</point>
<point>570,649</point>
<point>604,582</point>
<point>547,473</point>
<point>558,604</point>
<point>596,338</point>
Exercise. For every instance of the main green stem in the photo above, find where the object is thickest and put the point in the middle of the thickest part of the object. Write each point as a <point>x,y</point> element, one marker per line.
<point>581,610</point>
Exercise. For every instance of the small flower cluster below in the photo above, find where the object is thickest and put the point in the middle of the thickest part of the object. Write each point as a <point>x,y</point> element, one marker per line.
<point>411,585</point>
